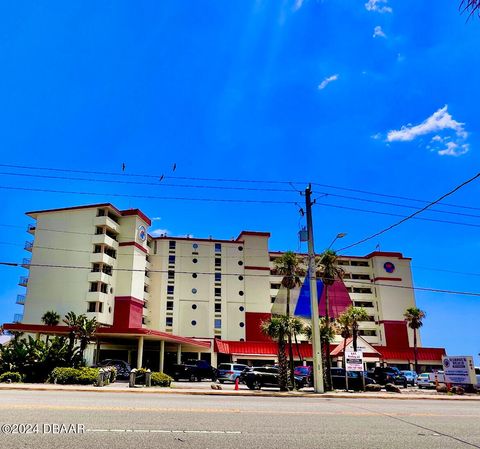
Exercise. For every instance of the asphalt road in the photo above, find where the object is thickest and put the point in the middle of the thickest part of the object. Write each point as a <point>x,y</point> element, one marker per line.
<point>126,420</point>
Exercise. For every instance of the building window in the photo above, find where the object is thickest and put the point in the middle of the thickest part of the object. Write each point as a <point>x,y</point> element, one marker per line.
<point>242,324</point>
<point>194,306</point>
<point>218,323</point>
<point>343,262</point>
<point>170,289</point>
<point>361,290</point>
<point>172,244</point>
<point>194,291</point>
<point>363,304</point>
<point>100,307</point>
<point>97,249</point>
<point>101,212</point>
<point>240,248</point>
<point>367,332</point>
<point>218,247</point>
<point>169,321</point>
<point>194,323</point>
<point>359,263</point>
<point>241,293</point>
<point>275,286</point>
<point>360,276</point>
<point>171,260</point>
<point>218,262</point>
<point>240,263</point>
<point>194,275</point>
<point>240,278</point>
<point>94,286</point>
<point>195,260</point>
<point>272,299</point>
<point>171,274</point>
<point>241,308</point>
<point>218,308</point>
<point>218,277</point>
<point>92,307</point>
<point>218,291</point>
<point>169,305</point>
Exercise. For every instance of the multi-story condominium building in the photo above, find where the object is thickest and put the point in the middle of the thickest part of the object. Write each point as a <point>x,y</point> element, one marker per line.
<point>159,299</point>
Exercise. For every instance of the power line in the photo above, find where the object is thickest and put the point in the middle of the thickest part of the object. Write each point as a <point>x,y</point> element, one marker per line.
<point>257,181</point>
<point>403,220</point>
<point>350,281</point>
<point>230,188</point>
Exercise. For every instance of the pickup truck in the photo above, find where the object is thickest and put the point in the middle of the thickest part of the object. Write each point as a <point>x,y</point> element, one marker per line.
<point>194,370</point>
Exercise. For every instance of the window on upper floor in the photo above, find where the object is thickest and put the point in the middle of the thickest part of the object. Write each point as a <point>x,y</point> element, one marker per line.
<point>360,276</point>
<point>169,305</point>
<point>218,308</point>
<point>172,244</point>
<point>92,307</point>
<point>171,274</point>
<point>218,291</point>
<point>359,263</point>
<point>343,262</point>
<point>368,332</point>
<point>218,247</point>
<point>170,289</point>
<point>171,260</point>
<point>275,286</point>
<point>218,323</point>
<point>362,290</point>
<point>218,262</point>
<point>169,321</point>
<point>363,304</point>
<point>218,277</point>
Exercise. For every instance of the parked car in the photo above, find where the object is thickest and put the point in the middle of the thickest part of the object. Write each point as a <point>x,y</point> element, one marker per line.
<point>411,376</point>
<point>194,370</point>
<point>267,376</point>
<point>229,372</point>
<point>305,372</point>
<point>424,381</point>
<point>389,375</point>
<point>355,381</point>
<point>243,375</point>
<point>122,367</point>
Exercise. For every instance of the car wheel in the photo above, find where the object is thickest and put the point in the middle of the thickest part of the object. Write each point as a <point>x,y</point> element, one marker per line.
<point>192,378</point>
<point>257,385</point>
<point>250,386</point>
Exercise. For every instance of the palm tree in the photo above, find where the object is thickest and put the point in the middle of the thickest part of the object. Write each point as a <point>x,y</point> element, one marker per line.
<point>288,266</point>
<point>71,320</point>
<point>50,318</point>
<point>356,315</point>
<point>277,328</point>
<point>344,321</point>
<point>85,331</point>
<point>414,316</point>
<point>471,6</point>
<point>328,271</point>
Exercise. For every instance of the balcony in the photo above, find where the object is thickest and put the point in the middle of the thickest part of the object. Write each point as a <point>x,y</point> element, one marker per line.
<point>26,263</point>
<point>31,228</point>
<point>104,239</point>
<point>28,245</point>
<point>20,299</point>
<point>23,282</point>
<point>17,318</point>
<point>96,296</point>
<point>102,258</point>
<point>99,276</point>
<point>146,281</point>
<point>146,296</point>
<point>108,222</point>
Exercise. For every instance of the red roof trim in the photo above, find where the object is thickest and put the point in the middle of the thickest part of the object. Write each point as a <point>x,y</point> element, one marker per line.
<point>40,328</point>
<point>88,206</point>
<point>424,354</point>
<point>137,245</point>
<point>257,268</point>
<point>386,279</point>
<point>137,212</point>
<point>193,239</point>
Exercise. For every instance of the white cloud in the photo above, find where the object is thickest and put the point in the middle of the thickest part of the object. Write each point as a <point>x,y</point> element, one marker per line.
<point>298,4</point>
<point>156,218</point>
<point>378,6</point>
<point>378,32</point>
<point>440,121</point>
<point>159,232</point>
<point>327,81</point>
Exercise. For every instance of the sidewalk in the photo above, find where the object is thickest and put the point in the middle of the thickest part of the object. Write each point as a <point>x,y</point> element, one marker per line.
<point>186,388</point>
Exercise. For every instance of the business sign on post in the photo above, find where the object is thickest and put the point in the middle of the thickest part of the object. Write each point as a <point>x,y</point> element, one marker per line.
<point>459,370</point>
<point>354,360</point>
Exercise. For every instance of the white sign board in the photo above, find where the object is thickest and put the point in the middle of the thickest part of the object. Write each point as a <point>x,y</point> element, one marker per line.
<point>459,370</point>
<point>354,360</point>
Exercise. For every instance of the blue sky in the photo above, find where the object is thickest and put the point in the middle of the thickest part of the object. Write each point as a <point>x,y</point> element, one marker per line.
<point>375,96</point>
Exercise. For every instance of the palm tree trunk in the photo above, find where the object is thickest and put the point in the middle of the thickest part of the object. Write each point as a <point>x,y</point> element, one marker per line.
<point>354,336</point>
<point>282,364</point>
<point>297,346</point>
<point>290,345</point>
<point>327,343</point>
<point>345,362</point>
<point>415,350</point>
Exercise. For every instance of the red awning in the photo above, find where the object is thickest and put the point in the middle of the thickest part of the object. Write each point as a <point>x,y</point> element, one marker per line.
<point>407,354</point>
<point>108,332</point>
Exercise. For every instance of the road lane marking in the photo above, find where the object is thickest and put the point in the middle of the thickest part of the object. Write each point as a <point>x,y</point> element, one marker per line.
<point>209,432</point>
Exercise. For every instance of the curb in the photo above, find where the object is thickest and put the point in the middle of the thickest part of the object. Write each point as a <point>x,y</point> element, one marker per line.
<point>245,393</point>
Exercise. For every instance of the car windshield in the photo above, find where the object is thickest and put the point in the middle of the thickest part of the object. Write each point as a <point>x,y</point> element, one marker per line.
<point>302,369</point>
<point>224,366</point>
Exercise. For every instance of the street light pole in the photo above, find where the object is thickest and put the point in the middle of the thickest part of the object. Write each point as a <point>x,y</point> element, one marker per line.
<point>316,345</point>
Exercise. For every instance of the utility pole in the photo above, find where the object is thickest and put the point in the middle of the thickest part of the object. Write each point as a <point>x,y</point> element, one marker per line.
<point>316,345</point>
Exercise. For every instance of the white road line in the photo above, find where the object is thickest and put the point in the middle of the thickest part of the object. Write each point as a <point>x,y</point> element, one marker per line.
<point>212,432</point>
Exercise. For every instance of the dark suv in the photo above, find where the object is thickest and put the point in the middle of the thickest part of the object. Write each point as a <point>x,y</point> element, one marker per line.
<point>267,376</point>
<point>194,370</point>
<point>389,375</point>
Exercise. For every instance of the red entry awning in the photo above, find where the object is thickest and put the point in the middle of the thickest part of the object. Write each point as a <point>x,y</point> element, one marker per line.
<point>407,354</point>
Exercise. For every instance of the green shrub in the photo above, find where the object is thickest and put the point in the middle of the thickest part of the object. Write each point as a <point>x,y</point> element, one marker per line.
<point>10,376</point>
<point>161,380</point>
<point>75,376</point>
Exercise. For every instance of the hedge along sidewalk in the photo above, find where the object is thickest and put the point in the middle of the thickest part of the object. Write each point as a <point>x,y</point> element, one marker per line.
<point>112,388</point>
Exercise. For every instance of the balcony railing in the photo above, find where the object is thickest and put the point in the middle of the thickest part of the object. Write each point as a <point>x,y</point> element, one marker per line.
<point>17,318</point>
<point>23,281</point>
<point>31,228</point>
<point>20,299</point>
<point>26,262</point>
<point>28,245</point>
